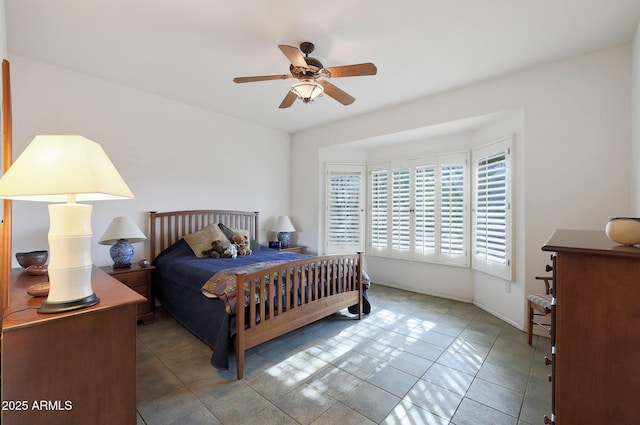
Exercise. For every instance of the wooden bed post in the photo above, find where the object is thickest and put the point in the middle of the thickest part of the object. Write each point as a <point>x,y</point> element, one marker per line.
<point>360,285</point>
<point>240,341</point>
<point>152,231</point>
<point>256,222</point>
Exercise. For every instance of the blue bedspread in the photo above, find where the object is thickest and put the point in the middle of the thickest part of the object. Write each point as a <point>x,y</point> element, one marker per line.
<point>179,263</point>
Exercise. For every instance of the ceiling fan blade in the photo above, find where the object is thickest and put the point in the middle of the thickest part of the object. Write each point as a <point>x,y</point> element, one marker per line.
<point>261,78</point>
<point>288,100</point>
<point>339,95</point>
<point>294,55</point>
<point>353,70</point>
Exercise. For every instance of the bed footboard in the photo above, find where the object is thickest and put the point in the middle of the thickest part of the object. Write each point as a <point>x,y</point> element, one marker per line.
<point>288,296</point>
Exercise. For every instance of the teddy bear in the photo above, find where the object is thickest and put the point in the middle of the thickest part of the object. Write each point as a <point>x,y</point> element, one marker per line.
<point>242,243</point>
<point>216,251</point>
<point>229,251</point>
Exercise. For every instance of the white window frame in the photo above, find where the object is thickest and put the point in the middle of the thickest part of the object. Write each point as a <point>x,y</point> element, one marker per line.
<point>351,243</point>
<point>501,264</point>
<point>404,245</point>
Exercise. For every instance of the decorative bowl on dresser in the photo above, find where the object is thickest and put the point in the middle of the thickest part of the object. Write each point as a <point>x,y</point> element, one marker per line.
<point>32,258</point>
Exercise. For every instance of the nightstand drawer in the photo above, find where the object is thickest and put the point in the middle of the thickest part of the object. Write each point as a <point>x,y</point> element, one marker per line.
<point>132,278</point>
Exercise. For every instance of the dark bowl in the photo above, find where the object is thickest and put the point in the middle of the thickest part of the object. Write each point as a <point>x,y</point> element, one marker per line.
<point>33,258</point>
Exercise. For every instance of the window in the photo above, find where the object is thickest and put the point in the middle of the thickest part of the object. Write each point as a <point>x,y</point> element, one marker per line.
<point>401,210</point>
<point>418,209</point>
<point>492,214</point>
<point>379,211</point>
<point>425,211</point>
<point>345,211</point>
<point>452,210</point>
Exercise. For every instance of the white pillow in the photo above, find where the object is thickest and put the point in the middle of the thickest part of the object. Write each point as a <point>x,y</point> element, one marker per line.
<point>201,240</point>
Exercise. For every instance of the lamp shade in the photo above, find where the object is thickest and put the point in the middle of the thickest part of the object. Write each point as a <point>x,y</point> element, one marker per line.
<point>122,228</point>
<point>283,224</point>
<point>53,167</point>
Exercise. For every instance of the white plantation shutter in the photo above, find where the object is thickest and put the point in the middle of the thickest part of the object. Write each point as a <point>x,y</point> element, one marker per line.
<point>492,209</point>
<point>379,195</point>
<point>425,210</point>
<point>345,211</point>
<point>452,216</point>
<point>401,210</point>
<point>418,209</point>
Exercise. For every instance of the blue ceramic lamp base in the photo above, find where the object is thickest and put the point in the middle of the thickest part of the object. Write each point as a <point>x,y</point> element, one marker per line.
<point>121,254</point>
<point>284,238</point>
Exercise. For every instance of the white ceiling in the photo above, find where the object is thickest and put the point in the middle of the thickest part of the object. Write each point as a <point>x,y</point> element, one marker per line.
<point>190,50</point>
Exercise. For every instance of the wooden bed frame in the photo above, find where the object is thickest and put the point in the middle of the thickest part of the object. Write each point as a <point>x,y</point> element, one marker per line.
<point>334,279</point>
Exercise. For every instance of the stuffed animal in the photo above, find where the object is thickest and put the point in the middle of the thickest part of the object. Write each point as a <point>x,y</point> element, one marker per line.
<point>230,251</point>
<point>216,251</point>
<point>242,243</point>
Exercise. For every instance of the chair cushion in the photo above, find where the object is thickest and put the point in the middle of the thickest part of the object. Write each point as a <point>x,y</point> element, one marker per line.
<point>543,300</point>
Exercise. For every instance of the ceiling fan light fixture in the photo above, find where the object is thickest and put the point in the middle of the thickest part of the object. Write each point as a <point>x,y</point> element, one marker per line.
<point>307,89</point>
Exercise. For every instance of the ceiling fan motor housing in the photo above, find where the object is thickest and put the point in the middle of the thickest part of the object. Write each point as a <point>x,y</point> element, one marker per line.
<point>315,66</point>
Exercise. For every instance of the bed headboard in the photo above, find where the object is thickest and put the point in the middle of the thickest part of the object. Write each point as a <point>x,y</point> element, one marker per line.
<point>167,228</point>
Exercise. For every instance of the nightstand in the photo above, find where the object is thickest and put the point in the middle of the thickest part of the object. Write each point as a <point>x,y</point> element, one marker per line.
<point>294,248</point>
<point>139,279</point>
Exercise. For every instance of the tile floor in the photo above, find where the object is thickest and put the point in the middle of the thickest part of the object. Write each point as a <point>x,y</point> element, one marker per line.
<point>415,359</point>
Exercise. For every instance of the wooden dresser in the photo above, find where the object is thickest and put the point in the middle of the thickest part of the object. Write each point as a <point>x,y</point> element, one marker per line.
<point>596,330</point>
<point>68,368</point>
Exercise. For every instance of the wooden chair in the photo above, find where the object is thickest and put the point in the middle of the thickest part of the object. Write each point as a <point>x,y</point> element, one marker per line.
<point>540,306</point>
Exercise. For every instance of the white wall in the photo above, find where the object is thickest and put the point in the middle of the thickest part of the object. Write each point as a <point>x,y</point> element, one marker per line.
<point>172,156</point>
<point>574,166</point>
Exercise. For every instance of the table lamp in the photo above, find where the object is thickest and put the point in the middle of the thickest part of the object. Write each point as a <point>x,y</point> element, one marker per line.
<point>120,234</point>
<point>65,168</point>
<point>283,226</point>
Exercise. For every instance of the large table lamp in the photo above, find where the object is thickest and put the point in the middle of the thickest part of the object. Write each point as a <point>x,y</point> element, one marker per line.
<point>66,168</point>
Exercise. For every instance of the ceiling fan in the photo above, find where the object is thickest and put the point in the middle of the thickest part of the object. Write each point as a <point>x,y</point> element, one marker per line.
<point>308,70</point>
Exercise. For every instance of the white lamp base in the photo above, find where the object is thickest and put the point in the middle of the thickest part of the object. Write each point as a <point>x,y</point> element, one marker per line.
<point>59,307</point>
<point>70,264</point>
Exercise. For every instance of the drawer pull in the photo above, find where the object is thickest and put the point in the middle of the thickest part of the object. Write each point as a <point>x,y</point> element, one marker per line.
<point>549,378</point>
<point>547,420</point>
<point>547,360</point>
